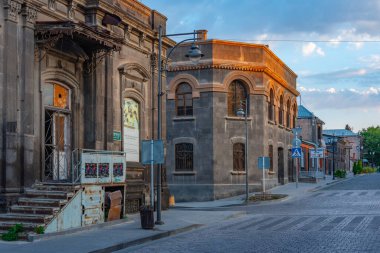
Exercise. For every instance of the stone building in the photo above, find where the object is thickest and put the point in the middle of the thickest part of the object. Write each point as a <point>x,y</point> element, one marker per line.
<point>206,138</point>
<point>311,135</point>
<point>77,75</point>
<point>349,150</point>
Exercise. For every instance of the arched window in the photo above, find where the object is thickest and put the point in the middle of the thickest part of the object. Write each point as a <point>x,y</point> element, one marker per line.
<point>239,157</point>
<point>184,157</point>
<point>237,96</point>
<point>294,115</point>
<point>271,105</point>
<point>288,114</point>
<point>184,100</point>
<point>281,111</point>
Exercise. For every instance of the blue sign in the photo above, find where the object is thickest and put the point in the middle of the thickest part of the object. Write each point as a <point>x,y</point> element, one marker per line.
<point>296,152</point>
<point>158,152</point>
<point>264,163</point>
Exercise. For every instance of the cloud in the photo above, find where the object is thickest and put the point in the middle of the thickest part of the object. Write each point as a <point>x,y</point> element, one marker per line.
<point>342,99</point>
<point>311,48</point>
<point>350,77</point>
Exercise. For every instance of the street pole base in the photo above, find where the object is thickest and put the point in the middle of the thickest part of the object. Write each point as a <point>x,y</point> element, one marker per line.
<point>159,222</point>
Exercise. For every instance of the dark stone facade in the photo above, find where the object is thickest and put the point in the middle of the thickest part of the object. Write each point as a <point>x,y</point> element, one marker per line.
<point>213,132</point>
<point>101,53</point>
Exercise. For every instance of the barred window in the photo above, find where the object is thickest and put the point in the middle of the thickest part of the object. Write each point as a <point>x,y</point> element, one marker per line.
<point>184,157</point>
<point>237,96</point>
<point>184,100</point>
<point>239,157</point>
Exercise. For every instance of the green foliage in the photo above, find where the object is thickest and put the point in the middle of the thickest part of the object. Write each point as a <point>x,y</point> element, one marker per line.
<point>371,143</point>
<point>39,230</point>
<point>358,167</point>
<point>12,234</point>
<point>340,173</point>
<point>369,170</point>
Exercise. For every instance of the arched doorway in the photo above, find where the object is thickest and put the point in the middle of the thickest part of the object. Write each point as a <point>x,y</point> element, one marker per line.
<point>57,132</point>
<point>281,169</point>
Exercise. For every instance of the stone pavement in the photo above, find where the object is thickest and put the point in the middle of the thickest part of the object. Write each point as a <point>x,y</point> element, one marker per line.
<point>184,217</point>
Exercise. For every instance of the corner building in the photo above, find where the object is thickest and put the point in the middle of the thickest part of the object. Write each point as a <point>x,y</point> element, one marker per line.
<point>205,136</point>
<point>75,76</point>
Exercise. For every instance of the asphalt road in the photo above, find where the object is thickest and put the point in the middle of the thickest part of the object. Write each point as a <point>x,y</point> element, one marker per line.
<point>344,217</point>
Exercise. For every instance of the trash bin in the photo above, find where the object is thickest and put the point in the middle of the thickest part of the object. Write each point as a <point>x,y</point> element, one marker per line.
<point>147,217</point>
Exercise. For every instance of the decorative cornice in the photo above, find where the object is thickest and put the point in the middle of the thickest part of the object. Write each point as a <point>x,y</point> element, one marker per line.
<point>12,9</point>
<point>237,67</point>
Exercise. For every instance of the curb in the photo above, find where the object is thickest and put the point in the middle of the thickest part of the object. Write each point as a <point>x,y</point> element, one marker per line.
<point>329,184</point>
<point>124,245</point>
<point>35,237</point>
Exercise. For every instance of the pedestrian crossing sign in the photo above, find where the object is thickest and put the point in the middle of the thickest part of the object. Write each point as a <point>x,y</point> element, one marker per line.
<point>296,152</point>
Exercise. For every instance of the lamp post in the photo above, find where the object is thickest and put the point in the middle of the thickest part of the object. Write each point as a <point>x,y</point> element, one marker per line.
<point>333,142</point>
<point>241,113</point>
<point>372,154</point>
<point>194,54</point>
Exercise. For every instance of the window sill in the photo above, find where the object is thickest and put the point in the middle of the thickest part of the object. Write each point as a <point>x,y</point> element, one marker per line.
<point>184,173</point>
<point>271,173</point>
<point>236,118</point>
<point>238,173</point>
<point>184,118</point>
<point>271,122</point>
<point>281,126</point>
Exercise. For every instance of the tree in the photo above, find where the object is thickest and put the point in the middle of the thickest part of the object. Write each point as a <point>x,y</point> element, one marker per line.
<point>371,143</point>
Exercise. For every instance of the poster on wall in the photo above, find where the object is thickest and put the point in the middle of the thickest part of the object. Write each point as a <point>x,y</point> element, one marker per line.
<point>131,128</point>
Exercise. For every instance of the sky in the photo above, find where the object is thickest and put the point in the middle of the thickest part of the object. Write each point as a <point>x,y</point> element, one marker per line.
<point>332,45</point>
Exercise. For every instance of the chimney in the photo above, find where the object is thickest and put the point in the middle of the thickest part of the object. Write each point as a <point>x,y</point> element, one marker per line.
<point>202,34</point>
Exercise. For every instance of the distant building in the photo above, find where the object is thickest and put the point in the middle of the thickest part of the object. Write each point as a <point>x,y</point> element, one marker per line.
<point>205,136</point>
<point>351,150</point>
<point>311,136</point>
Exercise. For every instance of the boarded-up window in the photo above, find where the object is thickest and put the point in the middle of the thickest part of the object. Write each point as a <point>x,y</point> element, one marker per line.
<point>184,100</point>
<point>184,157</point>
<point>239,157</point>
<point>56,95</point>
<point>237,96</point>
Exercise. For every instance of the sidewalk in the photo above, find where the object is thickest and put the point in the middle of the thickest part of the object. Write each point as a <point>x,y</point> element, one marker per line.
<point>185,217</point>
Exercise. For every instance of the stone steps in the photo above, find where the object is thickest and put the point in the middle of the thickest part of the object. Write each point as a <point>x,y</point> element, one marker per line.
<point>48,194</point>
<point>28,227</point>
<point>34,210</point>
<point>41,202</point>
<point>25,218</point>
<point>39,205</point>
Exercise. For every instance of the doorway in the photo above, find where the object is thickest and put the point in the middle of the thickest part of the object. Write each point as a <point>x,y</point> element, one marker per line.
<point>57,129</point>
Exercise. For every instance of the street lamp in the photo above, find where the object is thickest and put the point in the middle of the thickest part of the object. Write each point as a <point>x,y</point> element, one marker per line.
<point>372,154</point>
<point>194,54</point>
<point>241,113</point>
<point>333,141</point>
